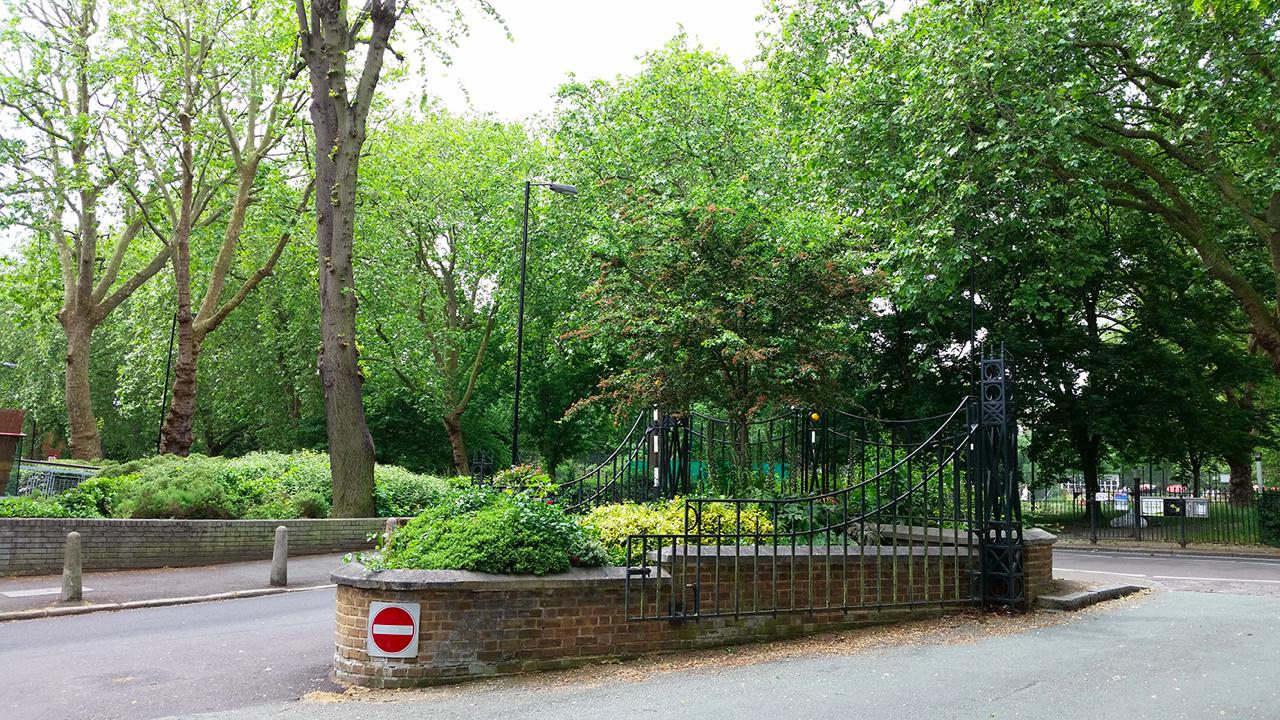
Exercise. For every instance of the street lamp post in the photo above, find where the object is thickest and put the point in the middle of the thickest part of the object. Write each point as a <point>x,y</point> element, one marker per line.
<point>524,254</point>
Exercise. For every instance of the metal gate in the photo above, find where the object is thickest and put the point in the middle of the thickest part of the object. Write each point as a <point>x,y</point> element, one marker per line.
<point>873,520</point>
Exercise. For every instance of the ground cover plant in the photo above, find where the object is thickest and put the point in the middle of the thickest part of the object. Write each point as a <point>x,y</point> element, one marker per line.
<point>494,532</point>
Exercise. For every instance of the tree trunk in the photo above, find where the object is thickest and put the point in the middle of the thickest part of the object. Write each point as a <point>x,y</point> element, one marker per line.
<point>1241,487</point>
<point>339,122</point>
<point>1090,451</point>
<point>351,452</point>
<point>453,426</point>
<point>85,442</point>
<point>175,435</point>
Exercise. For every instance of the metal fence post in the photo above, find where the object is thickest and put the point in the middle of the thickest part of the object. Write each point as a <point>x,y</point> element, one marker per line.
<point>1137,509</point>
<point>1094,509</point>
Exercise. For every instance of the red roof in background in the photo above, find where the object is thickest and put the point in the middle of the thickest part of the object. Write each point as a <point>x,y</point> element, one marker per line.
<point>11,422</point>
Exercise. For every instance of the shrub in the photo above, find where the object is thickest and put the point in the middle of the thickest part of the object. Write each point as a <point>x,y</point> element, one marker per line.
<point>195,493</point>
<point>495,533</point>
<point>528,479</point>
<point>615,523</point>
<point>310,504</point>
<point>1269,517</point>
<point>97,496</point>
<point>400,493</point>
<point>32,506</point>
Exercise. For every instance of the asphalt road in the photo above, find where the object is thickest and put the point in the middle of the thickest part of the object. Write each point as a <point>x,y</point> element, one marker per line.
<point>181,660</point>
<point>1174,654</point>
<point>1241,576</point>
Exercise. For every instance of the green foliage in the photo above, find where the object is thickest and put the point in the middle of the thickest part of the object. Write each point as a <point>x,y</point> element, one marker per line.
<point>400,493</point>
<point>258,486</point>
<point>97,496</point>
<point>495,533</point>
<point>614,523</point>
<point>1269,518</point>
<point>193,493</point>
<point>525,479</point>
<point>32,506</point>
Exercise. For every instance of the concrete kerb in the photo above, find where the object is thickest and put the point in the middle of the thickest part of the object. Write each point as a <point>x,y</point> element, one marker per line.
<point>1084,598</point>
<point>1226,551</point>
<point>63,610</point>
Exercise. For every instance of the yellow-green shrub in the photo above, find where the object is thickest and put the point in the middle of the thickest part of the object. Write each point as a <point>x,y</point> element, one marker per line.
<point>615,523</point>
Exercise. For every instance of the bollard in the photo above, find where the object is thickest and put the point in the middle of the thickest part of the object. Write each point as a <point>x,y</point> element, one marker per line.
<point>72,590</point>
<point>391,530</point>
<point>280,558</point>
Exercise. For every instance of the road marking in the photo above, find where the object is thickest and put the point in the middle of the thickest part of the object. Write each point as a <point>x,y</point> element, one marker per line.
<point>1171,577</point>
<point>36,592</point>
<point>1101,572</point>
<point>1209,579</point>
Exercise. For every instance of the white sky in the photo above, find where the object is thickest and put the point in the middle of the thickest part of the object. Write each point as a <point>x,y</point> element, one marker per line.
<point>591,38</point>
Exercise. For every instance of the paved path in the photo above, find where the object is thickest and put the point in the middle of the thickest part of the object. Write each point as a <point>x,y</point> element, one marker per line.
<point>181,660</point>
<point>1251,576</point>
<point>1169,656</point>
<point>125,585</point>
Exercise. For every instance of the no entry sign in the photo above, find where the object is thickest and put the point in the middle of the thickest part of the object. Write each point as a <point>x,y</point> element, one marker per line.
<point>393,629</point>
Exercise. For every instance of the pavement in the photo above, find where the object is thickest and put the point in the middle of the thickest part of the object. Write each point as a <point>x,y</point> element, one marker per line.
<point>1201,644</point>
<point>109,588</point>
<point>1168,656</point>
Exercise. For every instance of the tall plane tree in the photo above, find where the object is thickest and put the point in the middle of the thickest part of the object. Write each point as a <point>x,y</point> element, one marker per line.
<point>56,82</point>
<point>214,80</point>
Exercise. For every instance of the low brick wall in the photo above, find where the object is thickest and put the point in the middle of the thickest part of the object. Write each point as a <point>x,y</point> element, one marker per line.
<point>34,546</point>
<point>477,625</point>
<point>1037,561</point>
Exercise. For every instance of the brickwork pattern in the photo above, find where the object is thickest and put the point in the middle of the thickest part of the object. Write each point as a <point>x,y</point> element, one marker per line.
<point>34,546</point>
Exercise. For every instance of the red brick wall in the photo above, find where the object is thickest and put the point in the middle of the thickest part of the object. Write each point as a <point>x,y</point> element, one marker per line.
<point>476,625</point>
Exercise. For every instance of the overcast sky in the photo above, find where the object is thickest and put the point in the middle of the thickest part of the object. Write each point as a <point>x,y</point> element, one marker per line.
<point>592,38</point>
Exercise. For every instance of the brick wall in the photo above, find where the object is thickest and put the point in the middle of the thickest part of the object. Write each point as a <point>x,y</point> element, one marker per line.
<point>1037,560</point>
<point>34,546</point>
<point>477,625</point>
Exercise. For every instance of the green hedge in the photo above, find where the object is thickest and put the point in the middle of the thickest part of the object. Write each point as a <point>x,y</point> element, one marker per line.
<point>1269,518</point>
<point>255,486</point>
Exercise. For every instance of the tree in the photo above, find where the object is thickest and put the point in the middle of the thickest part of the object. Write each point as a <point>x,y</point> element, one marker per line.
<point>340,104</point>
<point>57,84</point>
<point>442,204</point>
<point>714,285</point>
<point>338,118</point>
<point>215,81</point>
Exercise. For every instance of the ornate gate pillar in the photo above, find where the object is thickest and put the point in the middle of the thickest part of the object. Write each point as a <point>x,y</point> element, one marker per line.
<point>667,450</point>
<point>998,511</point>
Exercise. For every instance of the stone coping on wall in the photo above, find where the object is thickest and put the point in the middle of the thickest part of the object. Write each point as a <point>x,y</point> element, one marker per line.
<point>945,536</point>
<point>356,575</point>
<point>34,546</point>
<point>731,552</point>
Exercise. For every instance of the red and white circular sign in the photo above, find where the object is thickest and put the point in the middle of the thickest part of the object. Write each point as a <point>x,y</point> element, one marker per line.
<point>393,629</point>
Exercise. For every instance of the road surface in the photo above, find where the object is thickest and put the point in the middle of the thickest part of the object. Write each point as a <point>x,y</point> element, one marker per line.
<point>1243,576</point>
<point>181,660</point>
<point>1173,654</point>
